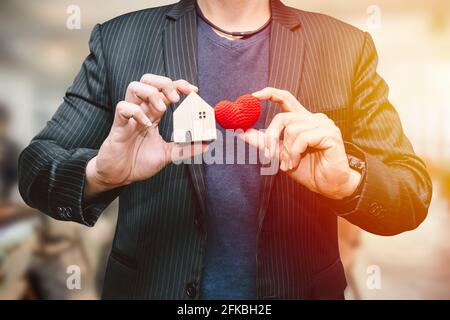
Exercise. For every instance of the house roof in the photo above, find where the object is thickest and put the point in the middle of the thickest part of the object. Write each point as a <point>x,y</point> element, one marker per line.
<point>193,99</point>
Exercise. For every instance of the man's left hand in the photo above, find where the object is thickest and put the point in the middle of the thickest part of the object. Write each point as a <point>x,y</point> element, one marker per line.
<point>309,146</point>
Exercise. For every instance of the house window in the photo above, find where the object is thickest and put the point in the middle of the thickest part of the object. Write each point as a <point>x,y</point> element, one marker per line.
<point>202,115</point>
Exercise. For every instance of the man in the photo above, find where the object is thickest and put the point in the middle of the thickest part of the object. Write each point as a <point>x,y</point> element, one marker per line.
<point>205,231</point>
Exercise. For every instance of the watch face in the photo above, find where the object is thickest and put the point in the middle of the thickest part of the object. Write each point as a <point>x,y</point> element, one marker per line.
<point>355,163</point>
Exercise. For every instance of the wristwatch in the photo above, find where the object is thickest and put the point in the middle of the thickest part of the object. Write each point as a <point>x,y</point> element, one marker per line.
<point>356,164</point>
<point>350,203</point>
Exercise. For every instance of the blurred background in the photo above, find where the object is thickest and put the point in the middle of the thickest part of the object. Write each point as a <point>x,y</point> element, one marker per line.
<point>42,45</point>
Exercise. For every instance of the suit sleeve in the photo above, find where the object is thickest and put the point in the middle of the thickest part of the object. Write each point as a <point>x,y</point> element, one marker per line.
<point>396,190</point>
<point>52,168</point>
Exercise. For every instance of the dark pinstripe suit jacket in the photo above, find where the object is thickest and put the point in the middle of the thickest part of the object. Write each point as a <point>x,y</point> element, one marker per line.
<point>160,239</point>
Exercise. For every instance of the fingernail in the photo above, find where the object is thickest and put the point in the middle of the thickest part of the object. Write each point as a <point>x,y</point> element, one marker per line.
<point>149,123</point>
<point>161,105</point>
<point>283,165</point>
<point>291,166</point>
<point>176,96</point>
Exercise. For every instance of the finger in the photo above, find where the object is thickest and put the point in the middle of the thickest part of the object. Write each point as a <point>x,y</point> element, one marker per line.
<point>164,99</point>
<point>138,92</point>
<point>318,138</point>
<point>284,120</point>
<point>276,127</point>
<point>291,160</point>
<point>184,87</point>
<point>126,111</point>
<point>163,84</point>
<point>148,97</point>
<point>285,162</point>
<point>283,98</point>
<point>254,138</point>
<point>178,152</point>
<point>292,130</point>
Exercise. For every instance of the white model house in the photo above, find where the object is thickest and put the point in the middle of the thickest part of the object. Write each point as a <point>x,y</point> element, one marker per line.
<point>194,121</point>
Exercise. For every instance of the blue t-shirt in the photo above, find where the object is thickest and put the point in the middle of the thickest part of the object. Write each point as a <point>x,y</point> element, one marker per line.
<point>226,70</point>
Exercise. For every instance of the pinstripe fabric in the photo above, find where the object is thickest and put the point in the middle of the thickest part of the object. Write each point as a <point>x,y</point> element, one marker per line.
<point>160,239</point>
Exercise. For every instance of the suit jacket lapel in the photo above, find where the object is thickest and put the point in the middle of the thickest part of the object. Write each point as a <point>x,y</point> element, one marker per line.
<point>286,62</point>
<point>180,55</point>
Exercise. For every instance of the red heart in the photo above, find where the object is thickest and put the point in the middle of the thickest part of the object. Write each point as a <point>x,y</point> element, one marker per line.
<point>241,114</point>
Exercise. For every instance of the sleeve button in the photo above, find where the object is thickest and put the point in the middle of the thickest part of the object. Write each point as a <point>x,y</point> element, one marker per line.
<point>68,212</point>
<point>375,208</point>
<point>191,290</point>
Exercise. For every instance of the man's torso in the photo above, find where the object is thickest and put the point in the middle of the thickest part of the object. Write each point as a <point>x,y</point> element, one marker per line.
<point>160,243</point>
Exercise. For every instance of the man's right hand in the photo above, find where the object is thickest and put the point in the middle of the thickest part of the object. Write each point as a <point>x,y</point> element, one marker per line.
<point>134,150</point>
